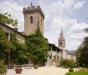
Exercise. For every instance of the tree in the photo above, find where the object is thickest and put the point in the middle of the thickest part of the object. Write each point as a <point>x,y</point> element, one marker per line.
<point>3,68</point>
<point>6,19</point>
<point>83,54</point>
<point>5,45</point>
<point>38,47</point>
<point>67,63</point>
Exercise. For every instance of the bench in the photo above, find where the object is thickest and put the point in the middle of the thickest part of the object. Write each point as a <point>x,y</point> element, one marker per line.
<point>28,66</point>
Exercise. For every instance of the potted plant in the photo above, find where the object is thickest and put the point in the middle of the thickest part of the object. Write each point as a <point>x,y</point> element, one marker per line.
<point>36,66</point>
<point>18,69</point>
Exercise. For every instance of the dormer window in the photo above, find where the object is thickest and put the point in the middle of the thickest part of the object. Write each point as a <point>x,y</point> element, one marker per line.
<point>31,19</point>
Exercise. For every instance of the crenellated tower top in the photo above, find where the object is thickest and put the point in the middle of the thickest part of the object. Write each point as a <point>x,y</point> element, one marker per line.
<point>32,15</point>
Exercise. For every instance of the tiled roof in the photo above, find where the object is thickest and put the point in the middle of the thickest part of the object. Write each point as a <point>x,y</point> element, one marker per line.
<point>12,29</point>
<point>71,52</point>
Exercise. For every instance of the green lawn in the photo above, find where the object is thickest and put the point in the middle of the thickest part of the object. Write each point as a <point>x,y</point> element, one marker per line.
<point>78,73</point>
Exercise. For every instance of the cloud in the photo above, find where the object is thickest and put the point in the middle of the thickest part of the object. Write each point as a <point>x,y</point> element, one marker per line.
<point>68,3</point>
<point>14,9</point>
<point>79,4</point>
<point>56,18</point>
<point>55,13</point>
<point>76,34</point>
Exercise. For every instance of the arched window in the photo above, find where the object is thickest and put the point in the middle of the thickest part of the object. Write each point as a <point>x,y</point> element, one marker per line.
<point>31,19</point>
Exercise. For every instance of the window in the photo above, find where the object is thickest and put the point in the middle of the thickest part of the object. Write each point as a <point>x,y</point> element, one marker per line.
<point>60,43</point>
<point>31,19</point>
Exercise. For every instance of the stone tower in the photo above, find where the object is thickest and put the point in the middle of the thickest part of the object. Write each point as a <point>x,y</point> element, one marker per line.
<point>32,16</point>
<point>61,41</point>
<point>61,44</point>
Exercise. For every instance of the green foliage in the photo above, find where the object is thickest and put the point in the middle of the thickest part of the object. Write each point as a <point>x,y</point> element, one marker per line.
<point>6,19</point>
<point>3,68</point>
<point>67,63</point>
<point>82,56</point>
<point>5,45</point>
<point>71,70</point>
<point>38,47</point>
<point>83,69</point>
<point>77,73</point>
<point>68,73</point>
<point>20,53</point>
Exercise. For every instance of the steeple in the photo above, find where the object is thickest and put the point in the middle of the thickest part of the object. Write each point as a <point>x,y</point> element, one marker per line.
<point>61,41</point>
<point>62,35</point>
<point>31,3</point>
<point>61,44</point>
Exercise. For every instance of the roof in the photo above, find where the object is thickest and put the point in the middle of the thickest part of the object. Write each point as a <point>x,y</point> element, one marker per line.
<point>55,47</point>
<point>12,29</point>
<point>71,52</point>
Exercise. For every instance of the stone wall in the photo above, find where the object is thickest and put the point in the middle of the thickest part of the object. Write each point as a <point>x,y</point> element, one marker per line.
<point>37,14</point>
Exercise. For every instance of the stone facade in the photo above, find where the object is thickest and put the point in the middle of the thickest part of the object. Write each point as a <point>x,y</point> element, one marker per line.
<point>54,55</point>
<point>70,56</point>
<point>32,16</point>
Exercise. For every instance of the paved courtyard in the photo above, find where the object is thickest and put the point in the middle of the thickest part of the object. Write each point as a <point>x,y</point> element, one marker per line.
<point>40,71</point>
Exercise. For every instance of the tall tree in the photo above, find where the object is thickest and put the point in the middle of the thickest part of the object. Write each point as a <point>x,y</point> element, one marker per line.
<point>38,47</point>
<point>6,19</point>
<point>83,54</point>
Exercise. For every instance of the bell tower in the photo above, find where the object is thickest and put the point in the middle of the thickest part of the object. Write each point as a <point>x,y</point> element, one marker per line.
<point>61,44</point>
<point>33,15</point>
<point>61,41</point>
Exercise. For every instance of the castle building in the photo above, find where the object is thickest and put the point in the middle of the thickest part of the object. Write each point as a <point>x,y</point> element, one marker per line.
<point>33,18</point>
<point>33,15</point>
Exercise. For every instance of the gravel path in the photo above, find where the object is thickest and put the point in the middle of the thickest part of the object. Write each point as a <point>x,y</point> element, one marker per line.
<point>40,71</point>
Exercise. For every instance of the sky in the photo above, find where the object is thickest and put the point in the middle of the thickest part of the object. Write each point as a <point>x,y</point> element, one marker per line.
<point>69,15</point>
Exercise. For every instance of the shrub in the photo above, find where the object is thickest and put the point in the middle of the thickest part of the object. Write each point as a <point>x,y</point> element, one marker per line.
<point>67,63</point>
<point>83,69</point>
<point>3,68</point>
<point>67,73</point>
<point>71,70</point>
